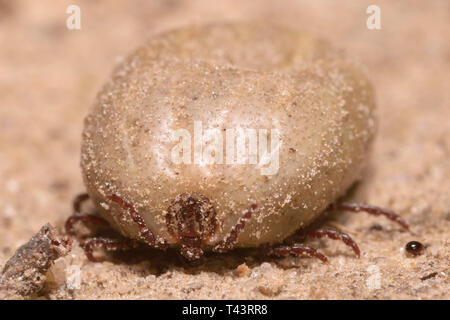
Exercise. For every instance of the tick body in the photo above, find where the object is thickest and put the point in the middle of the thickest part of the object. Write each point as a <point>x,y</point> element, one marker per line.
<point>281,122</point>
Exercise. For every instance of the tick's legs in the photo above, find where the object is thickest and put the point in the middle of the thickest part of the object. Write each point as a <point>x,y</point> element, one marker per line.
<point>297,249</point>
<point>354,207</point>
<point>144,232</point>
<point>229,242</point>
<point>85,218</point>
<point>89,245</point>
<point>108,244</point>
<point>357,207</point>
<point>331,234</point>
<point>78,201</point>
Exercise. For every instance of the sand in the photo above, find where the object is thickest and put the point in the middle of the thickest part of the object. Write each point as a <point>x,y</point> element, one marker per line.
<point>49,76</point>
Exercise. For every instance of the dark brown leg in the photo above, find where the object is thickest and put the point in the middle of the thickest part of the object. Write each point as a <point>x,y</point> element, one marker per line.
<point>108,244</point>
<point>78,201</point>
<point>85,218</point>
<point>357,207</point>
<point>229,242</point>
<point>144,232</point>
<point>89,245</point>
<point>331,234</point>
<point>78,216</point>
<point>296,249</point>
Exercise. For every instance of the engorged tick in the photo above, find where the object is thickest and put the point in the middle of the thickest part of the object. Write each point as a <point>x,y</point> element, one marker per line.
<point>209,138</point>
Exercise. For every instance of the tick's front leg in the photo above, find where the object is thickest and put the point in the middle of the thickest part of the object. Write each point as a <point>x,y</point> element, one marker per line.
<point>331,234</point>
<point>297,249</point>
<point>79,216</point>
<point>85,218</point>
<point>377,211</point>
<point>229,241</point>
<point>79,200</point>
<point>109,244</point>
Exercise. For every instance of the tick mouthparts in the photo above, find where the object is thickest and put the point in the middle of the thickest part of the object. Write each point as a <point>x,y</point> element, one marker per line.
<point>191,253</point>
<point>192,218</point>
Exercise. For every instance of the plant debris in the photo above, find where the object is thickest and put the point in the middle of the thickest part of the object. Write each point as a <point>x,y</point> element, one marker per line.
<point>23,275</point>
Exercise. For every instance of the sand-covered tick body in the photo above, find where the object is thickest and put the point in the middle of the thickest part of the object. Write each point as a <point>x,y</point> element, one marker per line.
<point>267,81</point>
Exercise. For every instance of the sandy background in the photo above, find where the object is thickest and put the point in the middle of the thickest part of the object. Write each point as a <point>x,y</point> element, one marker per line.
<point>49,76</point>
